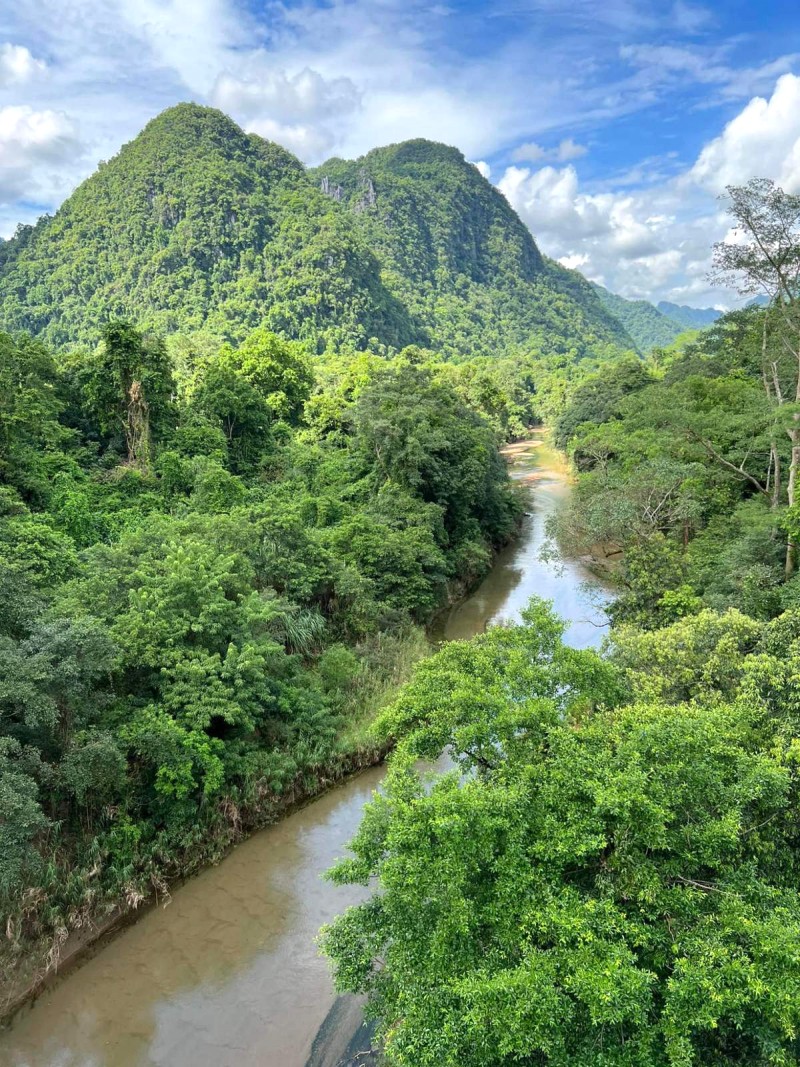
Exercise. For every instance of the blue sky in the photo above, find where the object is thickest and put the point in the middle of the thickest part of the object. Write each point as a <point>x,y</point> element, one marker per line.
<point>611,126</point>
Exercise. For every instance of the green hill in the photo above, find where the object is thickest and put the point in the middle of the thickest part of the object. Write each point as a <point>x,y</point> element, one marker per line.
<point>644,322</point>
<point>458,256</point>
<point>197,225</point>
<point>689,318</point>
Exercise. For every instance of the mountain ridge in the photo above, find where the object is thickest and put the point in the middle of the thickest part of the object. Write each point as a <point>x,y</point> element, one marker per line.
<point>690,318</point>
<point>196,225</point>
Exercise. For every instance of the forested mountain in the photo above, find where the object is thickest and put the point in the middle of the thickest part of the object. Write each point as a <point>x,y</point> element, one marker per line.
<point>197,225</point>
<point>689,318</point>
<point>460,259</point>
<point>647,325</point>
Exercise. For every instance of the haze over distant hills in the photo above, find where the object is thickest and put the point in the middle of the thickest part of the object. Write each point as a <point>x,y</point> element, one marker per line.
<point>688,317</point>
<point>647,324</point>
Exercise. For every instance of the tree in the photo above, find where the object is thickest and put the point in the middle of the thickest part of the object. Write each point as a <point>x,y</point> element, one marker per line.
<point>766,260</point>
<point>128,383</point>
<point>279,370</point>
<point>225,398</point>
<point>416,432</point>
<point>604,885</point>
<point>30,405</point>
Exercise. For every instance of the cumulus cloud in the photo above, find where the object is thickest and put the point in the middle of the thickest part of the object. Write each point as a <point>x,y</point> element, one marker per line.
<point>346,75</point>
<point>17,65</point>
<point>764,137</point>
<point>655,242</point>
<point>193,38</point>
<point>29,138</point>
<point>484,169</point>
<point>303,112</point>
<point>651,244</point>
<point>531,152</point>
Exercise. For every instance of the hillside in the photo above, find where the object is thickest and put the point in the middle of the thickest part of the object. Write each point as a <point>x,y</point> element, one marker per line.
<point>689,318</point>
<point>646,324</point>
<point>459,257</point>
<point>197,225</point>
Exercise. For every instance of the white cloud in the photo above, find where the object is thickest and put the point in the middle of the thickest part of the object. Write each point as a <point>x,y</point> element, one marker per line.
<point>655,242</point>
<point>305,95</point>
<point>764,138</point>
<point>531,152</point>
<point>17,65</point>
<point>649,244</point>
<point>484,169</point>
<point>664,66</point>
<point>29,138</point>
<point>194,38</point>
<point>304,112</point>
<point>346,75</point>
<point>575,262</point>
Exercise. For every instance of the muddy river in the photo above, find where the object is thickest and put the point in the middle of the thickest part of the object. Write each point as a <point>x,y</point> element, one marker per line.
<point>228,972</point>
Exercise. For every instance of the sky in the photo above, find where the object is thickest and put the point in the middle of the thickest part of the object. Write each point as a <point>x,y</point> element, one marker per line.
<point>612,126</point>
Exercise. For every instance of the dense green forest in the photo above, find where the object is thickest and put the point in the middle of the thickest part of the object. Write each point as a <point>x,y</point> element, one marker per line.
<point>459,258</point>
<point>249,435</point>
<point>646,324</point>
<point>211,575</point>
<point>609,876</point>
<point>250,420</point>
<point>196,227</point>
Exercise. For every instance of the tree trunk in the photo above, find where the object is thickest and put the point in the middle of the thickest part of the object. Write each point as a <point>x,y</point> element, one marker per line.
<point>137,427</point>
<point>794,436</point>
<point>776,473</point>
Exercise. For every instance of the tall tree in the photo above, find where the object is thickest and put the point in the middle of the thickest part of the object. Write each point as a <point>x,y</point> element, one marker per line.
<point>130,386</point>
<point>763,258</point>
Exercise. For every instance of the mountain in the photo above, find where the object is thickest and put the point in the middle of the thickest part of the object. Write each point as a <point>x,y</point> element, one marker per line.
<point>459,257</point>
<point>647,325</point>
<point>689,318</point>
<point>197,225</point>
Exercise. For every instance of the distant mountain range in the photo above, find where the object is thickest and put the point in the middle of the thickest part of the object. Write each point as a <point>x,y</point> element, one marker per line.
<point>687,317</point>
<point>652,325</point>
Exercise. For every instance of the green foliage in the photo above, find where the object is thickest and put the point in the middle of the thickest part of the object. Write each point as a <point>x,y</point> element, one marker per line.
<point>597,399</point>
<point>31,435</point>
<point>461,261</point>
<point>649,326</point>
<point>685,467</point>
<point>205,596</point>
<point>605,879</point>
<point>689,318</point>
<point>198,228</point>
<point>128,386</point>
<point>195,225</point>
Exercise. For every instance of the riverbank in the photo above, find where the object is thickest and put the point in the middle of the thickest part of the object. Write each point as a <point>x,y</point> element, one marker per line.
<point>229,973</point>
<point>47,961</point>
<point>81,944</point>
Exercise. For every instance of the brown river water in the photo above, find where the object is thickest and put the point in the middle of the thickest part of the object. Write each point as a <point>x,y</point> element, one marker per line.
<point>228,972</point>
